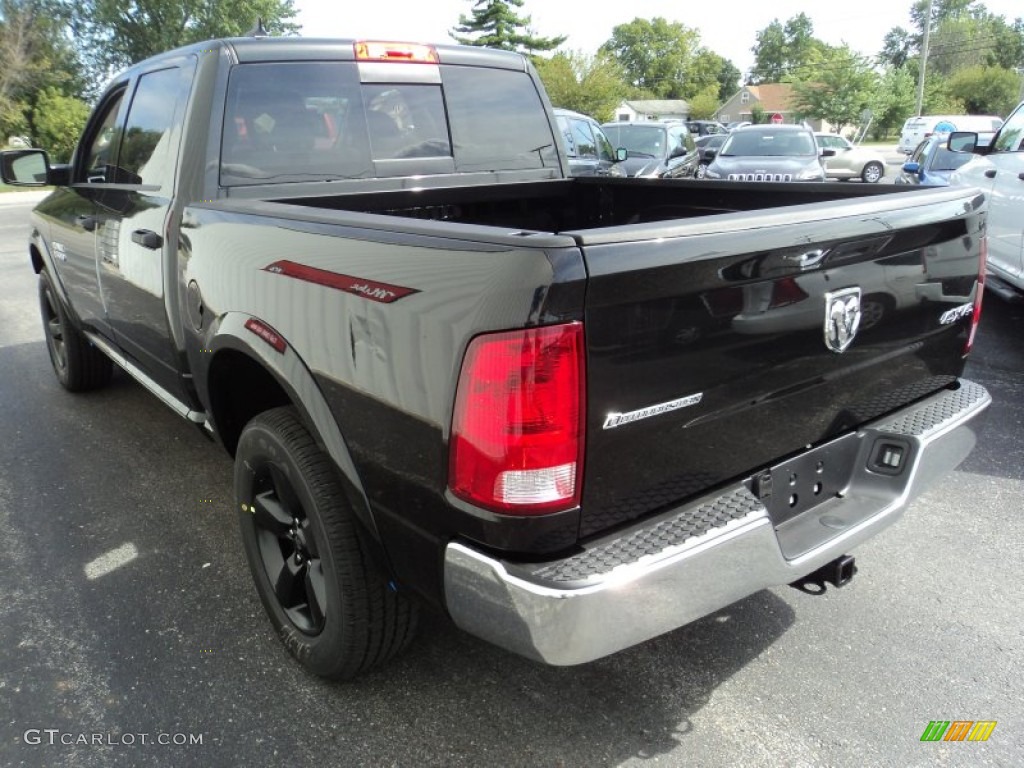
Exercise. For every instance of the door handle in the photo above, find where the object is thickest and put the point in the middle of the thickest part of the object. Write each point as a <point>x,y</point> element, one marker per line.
<point>88,223</point>
<point>1020,176</point>
<point>990,173</point>
<point>147,238</point>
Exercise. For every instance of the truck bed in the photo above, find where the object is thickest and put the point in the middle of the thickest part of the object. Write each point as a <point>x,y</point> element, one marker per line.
<point>695,292</point>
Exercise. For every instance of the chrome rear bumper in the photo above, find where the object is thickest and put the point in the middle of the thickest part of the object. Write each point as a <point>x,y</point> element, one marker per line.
<point>701,557</point>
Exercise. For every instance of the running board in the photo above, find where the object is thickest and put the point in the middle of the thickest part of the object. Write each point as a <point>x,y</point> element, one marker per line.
<point>176,405</point>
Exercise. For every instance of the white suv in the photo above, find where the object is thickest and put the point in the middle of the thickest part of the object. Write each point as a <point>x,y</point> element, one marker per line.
<point>999,172</point>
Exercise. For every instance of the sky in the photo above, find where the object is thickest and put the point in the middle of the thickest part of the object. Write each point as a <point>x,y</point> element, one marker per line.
<point>728,31</point>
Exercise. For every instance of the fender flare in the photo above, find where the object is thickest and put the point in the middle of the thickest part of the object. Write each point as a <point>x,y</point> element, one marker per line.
<point>288,369</point>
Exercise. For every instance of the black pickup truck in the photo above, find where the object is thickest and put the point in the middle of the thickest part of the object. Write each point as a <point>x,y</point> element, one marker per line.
<point>572,413</point>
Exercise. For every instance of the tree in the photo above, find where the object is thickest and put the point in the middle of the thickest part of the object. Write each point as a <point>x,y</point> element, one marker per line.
<point>728,80</point>
<point>836,87</point>
<point>34,55</point>
<point>58,122</point>
<point>495,24</point>
<point>783,49</point>
<point>986,90</point>
<point>898,47</point>
<point>893,101</point>
<point>117,33</point>
<point>704,105</point>
<point>656,55</point>
<point>708,69</point>
<point>593,85</point>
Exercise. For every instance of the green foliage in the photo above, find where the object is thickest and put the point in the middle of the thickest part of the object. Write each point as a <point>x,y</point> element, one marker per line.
<point>781,50</point>
<point>728,80</point>
<point>593,85</point>
<point>757,115</point>
<point>58,121</point>
<point>708,69</point>
<point>495,24</point>
<point>657,56</point>
<point>893,101</point>
<point>704,105</point>
<point>118,33</point>
<point>836,87</point>
<point>986,90</point>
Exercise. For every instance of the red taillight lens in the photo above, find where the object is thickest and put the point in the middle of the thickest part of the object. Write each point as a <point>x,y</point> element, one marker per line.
<point>517,430</point>
<point>976,315</point>
<point>786,291</point>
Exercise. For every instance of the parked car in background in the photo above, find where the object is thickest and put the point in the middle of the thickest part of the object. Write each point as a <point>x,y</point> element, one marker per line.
<point>707,147</point>
<point>917,129</point>
<point>769,153</point>
<point>654,149</point>
<point>737,124</point>
<point>851,161</point>
<point>932,163</point>
<point>705,127</point>
<point>999,171</point>
<point>589,151</point>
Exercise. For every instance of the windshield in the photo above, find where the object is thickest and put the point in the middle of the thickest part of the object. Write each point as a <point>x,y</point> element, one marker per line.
<point>646,140</point>
<point>770,144</point>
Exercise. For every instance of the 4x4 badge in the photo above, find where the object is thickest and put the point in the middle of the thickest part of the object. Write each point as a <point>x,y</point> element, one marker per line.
<point>842,318</point>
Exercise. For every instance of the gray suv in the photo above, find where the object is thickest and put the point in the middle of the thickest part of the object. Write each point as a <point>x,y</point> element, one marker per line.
<point>588,149</point>
<point>769,153</point>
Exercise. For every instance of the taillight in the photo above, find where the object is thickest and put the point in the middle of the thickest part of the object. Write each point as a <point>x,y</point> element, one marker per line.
<point>786,291</point>
<point>518,425</point>
<point>979,295</point>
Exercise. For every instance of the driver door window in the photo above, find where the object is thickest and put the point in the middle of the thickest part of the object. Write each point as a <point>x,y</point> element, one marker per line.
<point>101,159</point>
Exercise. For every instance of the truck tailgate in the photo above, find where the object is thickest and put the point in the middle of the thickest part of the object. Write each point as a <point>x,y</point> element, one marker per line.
<point>710,355</point>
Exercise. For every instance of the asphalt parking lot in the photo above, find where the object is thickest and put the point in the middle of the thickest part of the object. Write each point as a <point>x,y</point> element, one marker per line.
<point>173,645</point>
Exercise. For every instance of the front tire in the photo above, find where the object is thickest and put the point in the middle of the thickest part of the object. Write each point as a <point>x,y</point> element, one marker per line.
<point>329,602</point>
<point>78,364</point>
<point>872,173</point>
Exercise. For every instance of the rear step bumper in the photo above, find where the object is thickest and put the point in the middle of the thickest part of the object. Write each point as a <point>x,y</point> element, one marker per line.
<point>699,558</point>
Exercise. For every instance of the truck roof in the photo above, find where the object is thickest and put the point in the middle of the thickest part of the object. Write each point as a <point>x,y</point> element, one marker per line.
<point>253,49</point>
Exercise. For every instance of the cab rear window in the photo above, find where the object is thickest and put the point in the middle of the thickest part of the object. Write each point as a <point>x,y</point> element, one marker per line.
<point>311,121</point>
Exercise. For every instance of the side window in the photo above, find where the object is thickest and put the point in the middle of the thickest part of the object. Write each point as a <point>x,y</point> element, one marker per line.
<point>584,137</point>
<point>147,156</point>
<point>570,142</point>
<point>604,147</point>
<point>101,160</point>
<point>1011,135</point>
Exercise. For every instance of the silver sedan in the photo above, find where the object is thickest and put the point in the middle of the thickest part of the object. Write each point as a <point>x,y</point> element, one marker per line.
<point>851,161</point>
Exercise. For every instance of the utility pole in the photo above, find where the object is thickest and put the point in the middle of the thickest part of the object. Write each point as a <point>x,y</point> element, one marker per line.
<point>924,56</point>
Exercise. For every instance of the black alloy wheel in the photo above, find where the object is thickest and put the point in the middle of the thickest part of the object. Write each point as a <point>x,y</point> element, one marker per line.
<point>79,365</point>
<point>288,549</point>
<point>331,604</point>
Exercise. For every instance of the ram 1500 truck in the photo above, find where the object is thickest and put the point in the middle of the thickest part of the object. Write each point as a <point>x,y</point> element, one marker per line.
<point>571,413</point>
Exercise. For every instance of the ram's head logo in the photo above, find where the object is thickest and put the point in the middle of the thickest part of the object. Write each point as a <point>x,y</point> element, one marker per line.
<point>842,318</point>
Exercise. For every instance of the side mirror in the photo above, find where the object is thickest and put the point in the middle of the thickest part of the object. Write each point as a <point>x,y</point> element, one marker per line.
<point>828,152</point>
<point>24,167</point>
<point>678,152</point>
<point>962,141</point>
<point>710,154</point>
<point>621,154</point>
<point>912,168</point>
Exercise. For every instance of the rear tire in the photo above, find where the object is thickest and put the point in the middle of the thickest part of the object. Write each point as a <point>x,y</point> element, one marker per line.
<point>79,365</point>
<point>872,173</point>
<point>330,603</point>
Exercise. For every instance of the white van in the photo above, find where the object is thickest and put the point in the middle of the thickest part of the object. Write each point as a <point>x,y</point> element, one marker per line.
<point>917,129</point>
